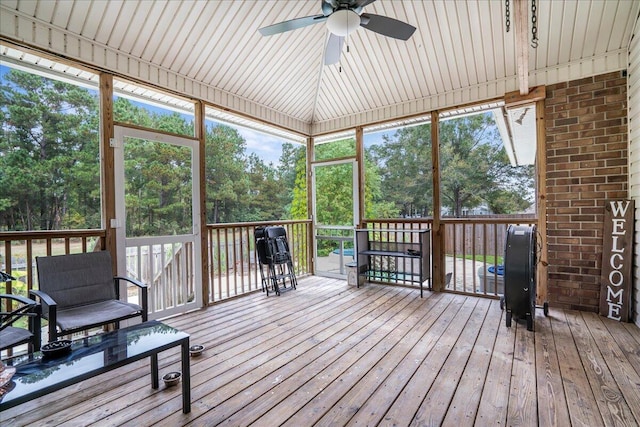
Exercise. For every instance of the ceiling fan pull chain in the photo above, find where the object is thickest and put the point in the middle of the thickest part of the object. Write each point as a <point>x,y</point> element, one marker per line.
<point>508,15</point>
<point>347,41</point>
<point>347,36</point>
<point>534,24</point>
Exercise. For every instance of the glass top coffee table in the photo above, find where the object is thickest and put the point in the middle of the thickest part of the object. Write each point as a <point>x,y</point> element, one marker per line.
<point>37,375</point>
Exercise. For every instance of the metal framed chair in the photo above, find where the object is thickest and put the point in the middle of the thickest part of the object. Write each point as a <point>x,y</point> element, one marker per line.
<point>80,292</point>
<point>12,334</point>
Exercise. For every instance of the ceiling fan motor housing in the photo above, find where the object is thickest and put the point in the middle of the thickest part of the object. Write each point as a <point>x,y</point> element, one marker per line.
<point>343,22</point>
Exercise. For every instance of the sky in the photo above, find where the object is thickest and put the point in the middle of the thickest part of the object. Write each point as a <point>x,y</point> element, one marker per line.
<point>266,147</point>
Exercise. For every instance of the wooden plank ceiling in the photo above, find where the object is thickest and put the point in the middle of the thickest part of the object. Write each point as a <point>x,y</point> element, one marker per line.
<point>458,45</point>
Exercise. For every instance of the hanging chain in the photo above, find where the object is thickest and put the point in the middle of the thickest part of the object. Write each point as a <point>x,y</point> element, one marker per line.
<point>508,15</point>
<point>534,24</point>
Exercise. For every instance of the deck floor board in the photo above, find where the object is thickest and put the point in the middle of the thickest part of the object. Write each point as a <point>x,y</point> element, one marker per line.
<point>329,354</point>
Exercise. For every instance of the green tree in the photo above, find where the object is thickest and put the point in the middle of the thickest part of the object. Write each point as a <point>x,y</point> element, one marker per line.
<point>404,165</point>
<point>292,164</point>
<point>334,198</point>
<point>299,206</point>
<point>376,204</point>
<point>158,188</point>
<point>49,163</point>
<point>125,111</point>
<point>335,201</point>
<point>263,203</point>
<point>475,170</point>
<point>158,193</point>
<point>225,175</point>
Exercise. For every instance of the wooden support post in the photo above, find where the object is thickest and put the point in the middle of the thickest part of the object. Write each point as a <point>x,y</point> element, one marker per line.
<point>437,235</point>
<point>361,169</point>
<point>541,205</point>
<point>107,164</point>
<point>200,133</point>
<point>310,238</point>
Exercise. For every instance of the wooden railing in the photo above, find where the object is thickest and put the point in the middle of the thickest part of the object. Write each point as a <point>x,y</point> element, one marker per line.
<point>472,247</point>
<point>18,251</point>
<point>234,269</point>
<point>474,250</point>
<point>474,253</point>
<point>167,265</point>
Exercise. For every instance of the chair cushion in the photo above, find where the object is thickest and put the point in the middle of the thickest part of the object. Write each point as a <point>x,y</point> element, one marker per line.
<point>96,314</point>
<point>11,336</point>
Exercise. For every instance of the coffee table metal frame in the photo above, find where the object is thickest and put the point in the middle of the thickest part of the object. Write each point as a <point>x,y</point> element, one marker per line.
<point>166,337</point>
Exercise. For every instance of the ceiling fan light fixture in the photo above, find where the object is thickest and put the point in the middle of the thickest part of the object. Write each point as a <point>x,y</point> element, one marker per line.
<point>343,22</point>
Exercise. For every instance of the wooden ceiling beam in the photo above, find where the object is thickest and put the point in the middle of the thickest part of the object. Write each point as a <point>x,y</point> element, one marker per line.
<point>521,21</point>
<point>515,98</point>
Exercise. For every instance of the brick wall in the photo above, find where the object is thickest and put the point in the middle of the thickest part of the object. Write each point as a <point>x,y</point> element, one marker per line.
<point>586,126</point>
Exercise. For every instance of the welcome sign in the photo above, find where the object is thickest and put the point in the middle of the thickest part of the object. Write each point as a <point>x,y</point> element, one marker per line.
<point>617,260</point>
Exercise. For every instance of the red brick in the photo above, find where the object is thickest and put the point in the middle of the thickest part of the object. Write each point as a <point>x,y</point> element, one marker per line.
<point>622,113</point>
<point>591,87</point>
<point>582,142</point>
<point>597,143</point>
<point>565,136</point>
<point>582,128</point>
<point>566,107</point>
<point>608,123</point>
<point>582,158</point>
<point>609,171</point>
<point>617,162</point>
<point>580,97</point>
<point>622,129</point>
<point>621,97</point>
<point>608,76</point>
<point>568,121</point>
<point>591,102</point>
<point>611,155</point>
<point>618,178</point>
<point>592,133</point>
<point>581,82</point>
<point>621,81</point>
<point>612,90</point>
<point>591,164</point>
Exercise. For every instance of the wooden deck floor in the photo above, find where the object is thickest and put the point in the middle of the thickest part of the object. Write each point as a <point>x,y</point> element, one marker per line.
<point>328,354</point>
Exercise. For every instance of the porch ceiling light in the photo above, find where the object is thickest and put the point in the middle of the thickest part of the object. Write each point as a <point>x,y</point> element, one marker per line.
<point>343,22</point>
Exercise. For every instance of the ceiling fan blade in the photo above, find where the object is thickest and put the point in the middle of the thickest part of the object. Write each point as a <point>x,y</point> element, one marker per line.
<point>333,50</point>
<point>292,24</point>
<point>387,26</point>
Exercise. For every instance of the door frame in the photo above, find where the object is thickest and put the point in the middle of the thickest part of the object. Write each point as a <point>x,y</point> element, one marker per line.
<point>119,223</point>
<point>356,212</point>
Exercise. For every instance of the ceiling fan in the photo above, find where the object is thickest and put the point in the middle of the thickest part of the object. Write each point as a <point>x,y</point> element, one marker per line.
<point>342,18</point>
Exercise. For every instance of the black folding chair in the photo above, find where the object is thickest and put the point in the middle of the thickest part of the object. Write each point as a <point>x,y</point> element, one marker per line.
<point>274,255</point>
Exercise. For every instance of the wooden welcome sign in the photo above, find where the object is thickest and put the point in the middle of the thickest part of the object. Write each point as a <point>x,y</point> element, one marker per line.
<point>617,260</point>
